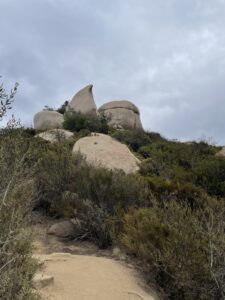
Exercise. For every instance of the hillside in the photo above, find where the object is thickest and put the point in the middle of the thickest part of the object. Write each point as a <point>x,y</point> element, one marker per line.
<point>167,214</point>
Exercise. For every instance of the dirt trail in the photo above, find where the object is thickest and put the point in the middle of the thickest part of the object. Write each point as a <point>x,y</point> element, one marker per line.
<point>82,272</point>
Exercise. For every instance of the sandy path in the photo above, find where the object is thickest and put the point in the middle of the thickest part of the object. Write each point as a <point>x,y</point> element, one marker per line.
<point>82,277</point>
<point>83,272</point>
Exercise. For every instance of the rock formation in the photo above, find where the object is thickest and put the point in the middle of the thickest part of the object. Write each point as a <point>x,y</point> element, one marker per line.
<point>45,120</point>
<point>83,102</point>
<point>55,135</point>
<point>122,114</point>
<point>102,150</point>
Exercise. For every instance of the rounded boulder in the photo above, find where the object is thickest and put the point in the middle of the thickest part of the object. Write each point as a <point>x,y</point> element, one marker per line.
<point>103,151</point>
<point>122,114</point>
<point>47,119</point>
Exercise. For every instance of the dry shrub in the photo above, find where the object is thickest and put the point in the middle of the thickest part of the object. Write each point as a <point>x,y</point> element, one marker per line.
<point>17,267</point>
<point>183,249</point>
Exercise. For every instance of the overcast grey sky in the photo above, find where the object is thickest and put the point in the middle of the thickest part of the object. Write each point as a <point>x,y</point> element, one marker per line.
<point>166,56</point>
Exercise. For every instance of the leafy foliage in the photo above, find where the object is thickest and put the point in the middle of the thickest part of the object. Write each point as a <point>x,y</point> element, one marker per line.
<point>76,122</point>
<point>6,99</point>
<point>62,109</point>
<point>184,249</point>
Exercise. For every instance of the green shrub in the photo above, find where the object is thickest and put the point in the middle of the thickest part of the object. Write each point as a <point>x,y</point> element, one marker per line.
<point>17,267</point>
<point>210,174</point>
<point>62,109</point>
<point>76,122</point>
<point>53,174</point>
<point>182,248</point>
<point>184,193</point>
<point>133,138</point>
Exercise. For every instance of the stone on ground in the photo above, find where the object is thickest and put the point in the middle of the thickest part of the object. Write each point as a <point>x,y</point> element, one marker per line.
<point>64,229</point>
<point>41,280</point>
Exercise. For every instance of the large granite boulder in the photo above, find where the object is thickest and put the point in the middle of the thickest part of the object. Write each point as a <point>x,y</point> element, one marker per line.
<point>47,119</point>
<point>55,135</point>
<point>122,114</point>
<point>83,102</point>
<point>103,151</point>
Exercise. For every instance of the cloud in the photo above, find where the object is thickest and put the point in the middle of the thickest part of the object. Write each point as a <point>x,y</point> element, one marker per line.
<point>168,57</point>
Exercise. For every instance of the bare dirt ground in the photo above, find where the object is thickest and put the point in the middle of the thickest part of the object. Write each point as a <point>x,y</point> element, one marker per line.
<point>83,272</point>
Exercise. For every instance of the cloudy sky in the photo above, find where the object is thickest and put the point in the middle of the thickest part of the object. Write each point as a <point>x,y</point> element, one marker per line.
<point>167,56</point>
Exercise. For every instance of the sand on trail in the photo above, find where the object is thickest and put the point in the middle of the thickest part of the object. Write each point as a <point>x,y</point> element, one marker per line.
<point>83,272</point>
<point>81,277</point>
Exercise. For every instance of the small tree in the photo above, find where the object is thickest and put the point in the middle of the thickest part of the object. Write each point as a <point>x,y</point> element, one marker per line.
<point>6,99</point>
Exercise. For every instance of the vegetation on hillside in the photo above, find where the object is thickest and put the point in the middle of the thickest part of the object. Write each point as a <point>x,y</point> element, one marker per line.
<point>169,217</point>
<point>17,267</point>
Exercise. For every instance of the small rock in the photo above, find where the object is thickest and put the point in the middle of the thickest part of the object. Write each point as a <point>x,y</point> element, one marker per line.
<point>64,229</point>
<point>55,135</point>
<point>40,281</point>
<point>117,253</point>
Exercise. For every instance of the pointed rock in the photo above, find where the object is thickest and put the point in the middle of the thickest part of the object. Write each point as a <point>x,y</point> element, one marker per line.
<point>83,102</point>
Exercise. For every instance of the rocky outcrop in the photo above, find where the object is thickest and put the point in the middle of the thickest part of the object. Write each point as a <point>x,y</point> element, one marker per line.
<point>122,114</point>
<point>102,150</point>
<point>45,120</point>
<point>55,135</point>
<point>83,102</point>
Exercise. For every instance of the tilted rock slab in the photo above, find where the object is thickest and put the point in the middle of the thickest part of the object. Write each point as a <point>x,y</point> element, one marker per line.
<point>122,114</point>
<point>48,119</point>
<point>103,151</point>
<point>83,102</point>
<point>55,135</point>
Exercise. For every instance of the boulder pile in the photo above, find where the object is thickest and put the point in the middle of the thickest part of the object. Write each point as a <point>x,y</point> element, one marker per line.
<point>98,149</point>
<point>121,114</point>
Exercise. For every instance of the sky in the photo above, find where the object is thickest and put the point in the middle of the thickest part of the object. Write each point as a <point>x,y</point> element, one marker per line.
<point>167,57</point>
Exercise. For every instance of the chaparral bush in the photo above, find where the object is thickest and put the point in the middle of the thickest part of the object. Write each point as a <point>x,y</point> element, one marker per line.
<point>17,267</point>
<point>181,248</point>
